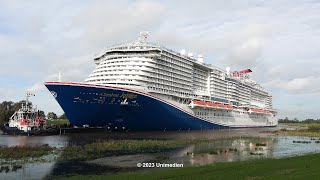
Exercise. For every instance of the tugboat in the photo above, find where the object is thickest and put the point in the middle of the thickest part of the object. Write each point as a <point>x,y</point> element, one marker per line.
<point>26,121</point>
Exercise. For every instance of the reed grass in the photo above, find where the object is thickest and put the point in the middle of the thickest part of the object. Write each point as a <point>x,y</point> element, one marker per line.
<point>118,147</point>
<point>23,152</point>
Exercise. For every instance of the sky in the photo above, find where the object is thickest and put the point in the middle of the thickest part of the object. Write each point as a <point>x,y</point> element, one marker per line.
<point>278,39</point>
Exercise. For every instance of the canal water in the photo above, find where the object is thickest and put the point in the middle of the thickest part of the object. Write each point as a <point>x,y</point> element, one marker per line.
<point>227,146</point>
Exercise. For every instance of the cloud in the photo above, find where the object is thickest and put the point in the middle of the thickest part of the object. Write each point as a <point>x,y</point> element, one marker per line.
<point>305,85</point>
<point>246,54</point>
<point>36,87</point>
<point>38,42</point>
<point>309,84</point>
<point>102,24</point>
<point>7,94</point>
<point>246,46</point>
<point>280,70</point>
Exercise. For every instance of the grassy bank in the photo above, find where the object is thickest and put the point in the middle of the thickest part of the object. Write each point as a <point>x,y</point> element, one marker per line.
<point>58,122</point>
<point>302,124</point>
<point>306,132</point>
<point>91,151</point>
<point>118,147</point>
<point>310,130</point>
<point>302,167</point>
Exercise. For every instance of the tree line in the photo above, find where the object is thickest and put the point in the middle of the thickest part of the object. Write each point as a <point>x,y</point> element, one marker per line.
<point>296,120</point>
<point>7,108</point>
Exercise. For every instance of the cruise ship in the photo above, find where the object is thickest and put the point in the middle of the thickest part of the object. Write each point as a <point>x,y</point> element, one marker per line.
<point>144,86</point>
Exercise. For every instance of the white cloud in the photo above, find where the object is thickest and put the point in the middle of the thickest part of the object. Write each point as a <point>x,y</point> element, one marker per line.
<point>36,87</point>
<point>104,22</point>
<point>305,85</point>
<point>309,84</point>
<point>246,54</point>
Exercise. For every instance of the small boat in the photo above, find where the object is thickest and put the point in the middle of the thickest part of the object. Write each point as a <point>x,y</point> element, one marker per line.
<point>26,121</point>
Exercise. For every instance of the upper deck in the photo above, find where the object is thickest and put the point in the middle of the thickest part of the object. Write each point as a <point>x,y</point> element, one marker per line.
<point>155,68</point>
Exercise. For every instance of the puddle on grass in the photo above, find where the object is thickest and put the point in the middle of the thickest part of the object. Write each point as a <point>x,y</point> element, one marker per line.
<point>26,171</point>
<point>27,168</point>
<point>244,149</point>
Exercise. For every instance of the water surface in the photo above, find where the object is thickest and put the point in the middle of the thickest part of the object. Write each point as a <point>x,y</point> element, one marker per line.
<point>227,146</point>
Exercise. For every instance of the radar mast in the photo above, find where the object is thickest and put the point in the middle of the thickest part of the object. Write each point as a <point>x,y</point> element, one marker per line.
<point>143,36</point>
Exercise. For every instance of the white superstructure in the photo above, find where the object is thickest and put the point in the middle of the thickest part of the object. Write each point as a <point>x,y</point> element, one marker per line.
<point>227,97</point>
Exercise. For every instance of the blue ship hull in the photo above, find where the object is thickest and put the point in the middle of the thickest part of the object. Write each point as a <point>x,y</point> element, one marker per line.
<point>98,105</point>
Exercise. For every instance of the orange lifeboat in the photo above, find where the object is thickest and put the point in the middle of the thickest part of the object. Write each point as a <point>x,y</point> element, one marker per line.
<point>199,102</point>
<point>220,105</point>
<point>259,110</point>
<point>212,104</point>
<point>228,106</point>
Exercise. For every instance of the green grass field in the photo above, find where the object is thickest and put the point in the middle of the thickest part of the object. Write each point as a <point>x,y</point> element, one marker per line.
<point>301,167</point>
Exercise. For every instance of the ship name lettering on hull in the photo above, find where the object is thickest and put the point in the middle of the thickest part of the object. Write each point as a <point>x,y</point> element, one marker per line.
<point>123,95</point>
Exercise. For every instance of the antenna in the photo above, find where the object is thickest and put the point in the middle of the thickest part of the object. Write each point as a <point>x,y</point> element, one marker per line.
<point>28,94</point>
<point>59,77</point>
<point>190,55</point>
<point>143,36</point>
<point>200,58</point>
<point>228,70</point>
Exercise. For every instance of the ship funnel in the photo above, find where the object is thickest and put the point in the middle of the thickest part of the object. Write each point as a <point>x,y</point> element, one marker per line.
<point>200,58</point>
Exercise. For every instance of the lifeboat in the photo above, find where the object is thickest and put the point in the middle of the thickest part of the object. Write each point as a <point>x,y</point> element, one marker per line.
<point>199,102</point>
<point>210,104</point>
<point>228,106</point>
<point>258,110</point>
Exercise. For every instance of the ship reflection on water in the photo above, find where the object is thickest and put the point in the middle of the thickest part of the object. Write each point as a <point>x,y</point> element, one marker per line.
<point>226,151</point>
